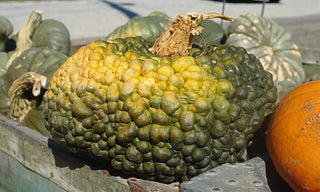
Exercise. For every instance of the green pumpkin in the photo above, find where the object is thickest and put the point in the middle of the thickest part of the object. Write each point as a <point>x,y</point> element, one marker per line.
<point>42,46</point>
<point>212,32</point>
<point>149,26</point>
<point>41,61</point>
<point>6,29</point>
<point>52,34</point>
<point>164,118</point>
<point>272,45</point>
<point>155,23</point>
<point>4,105</point>
<point>160,110</point>
<point>4,57</point>
<point>155,111</point>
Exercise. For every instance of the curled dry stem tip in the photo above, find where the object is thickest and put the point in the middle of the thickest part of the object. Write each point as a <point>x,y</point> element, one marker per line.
<point>177,38</point>
<point>18,101</point>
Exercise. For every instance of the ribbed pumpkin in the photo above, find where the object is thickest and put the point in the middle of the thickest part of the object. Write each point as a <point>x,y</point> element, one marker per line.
<point>155,23</point>
<point>272,45</point>
<point>212,32</point>
<point>52,34</point>
<point>293,137</point>
<point>42,61</point>
<point>42,46</point>
<point>149,26</point>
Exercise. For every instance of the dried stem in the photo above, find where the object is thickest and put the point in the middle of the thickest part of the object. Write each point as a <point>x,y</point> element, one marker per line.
<point>177,38</point>
<point>24,41</point>
<point>19,103</point>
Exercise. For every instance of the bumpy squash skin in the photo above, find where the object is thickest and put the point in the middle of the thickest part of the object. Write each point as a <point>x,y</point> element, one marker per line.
<point>159,117</point>
<point>293,137</point>
<point>272,45</point>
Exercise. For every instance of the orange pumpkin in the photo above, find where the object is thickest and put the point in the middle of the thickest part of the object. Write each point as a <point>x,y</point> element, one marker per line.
<point>293,137</point>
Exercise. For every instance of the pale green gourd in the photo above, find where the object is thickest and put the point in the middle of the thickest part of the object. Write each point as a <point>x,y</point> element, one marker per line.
<point>272,45</point>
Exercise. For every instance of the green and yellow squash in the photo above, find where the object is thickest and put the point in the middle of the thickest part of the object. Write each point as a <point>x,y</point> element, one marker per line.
<point>160,112</point>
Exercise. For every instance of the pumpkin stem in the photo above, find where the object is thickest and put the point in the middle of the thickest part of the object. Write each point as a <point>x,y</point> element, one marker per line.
<point>177,38</point>
<point>20,100</point>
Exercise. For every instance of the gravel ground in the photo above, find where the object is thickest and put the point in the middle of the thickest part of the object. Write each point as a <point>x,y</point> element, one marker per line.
<point>95,19</point>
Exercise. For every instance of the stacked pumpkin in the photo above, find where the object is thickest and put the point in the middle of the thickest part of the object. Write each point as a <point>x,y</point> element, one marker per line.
<point>40,46</point>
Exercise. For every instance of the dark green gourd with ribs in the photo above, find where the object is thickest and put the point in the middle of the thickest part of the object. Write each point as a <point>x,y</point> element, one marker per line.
<point>158,113</point>
<point>41,47</point>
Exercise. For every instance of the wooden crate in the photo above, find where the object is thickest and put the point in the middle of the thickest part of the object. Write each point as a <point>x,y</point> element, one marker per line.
<point>31,162</point>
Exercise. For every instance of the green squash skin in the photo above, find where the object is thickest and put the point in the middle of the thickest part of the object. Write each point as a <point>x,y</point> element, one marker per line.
<point>152,26</point>
<point>6,28</point>
<point>159,118</point>
<point>52,34</point>
<point>42,61</point>
<point>211,33</point>
<point>4,57</point>
<point>4,107</point>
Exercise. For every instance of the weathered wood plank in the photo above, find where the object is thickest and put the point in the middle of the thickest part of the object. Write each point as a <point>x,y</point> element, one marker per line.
<point>16,177</point>
<point>140,185</point>
<point>77,172</point>
<point>37,153</point>
<point>238,177</point>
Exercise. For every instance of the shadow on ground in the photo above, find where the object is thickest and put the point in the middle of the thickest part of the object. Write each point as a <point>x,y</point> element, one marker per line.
<point>123,10</point>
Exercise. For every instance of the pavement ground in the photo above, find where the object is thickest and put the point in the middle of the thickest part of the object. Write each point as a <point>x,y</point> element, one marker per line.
<point>89,20</point>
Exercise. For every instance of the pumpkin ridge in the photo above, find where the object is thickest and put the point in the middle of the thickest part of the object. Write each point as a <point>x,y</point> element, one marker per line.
<point>279,38</point>
<point>261,34</point>
<point>287,73</point>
